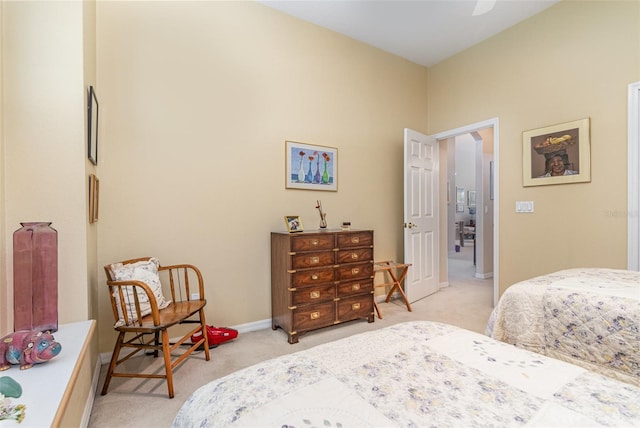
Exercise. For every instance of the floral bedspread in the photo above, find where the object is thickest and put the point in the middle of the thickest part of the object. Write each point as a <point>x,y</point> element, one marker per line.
<point>589,317</point>
<point>415,374</point>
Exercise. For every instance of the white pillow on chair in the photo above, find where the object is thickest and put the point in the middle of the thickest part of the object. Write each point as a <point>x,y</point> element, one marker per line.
<point>147,272</point>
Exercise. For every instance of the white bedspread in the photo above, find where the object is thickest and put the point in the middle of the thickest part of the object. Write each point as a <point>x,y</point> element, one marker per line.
<point>416,374</point>
<point>589,317</point>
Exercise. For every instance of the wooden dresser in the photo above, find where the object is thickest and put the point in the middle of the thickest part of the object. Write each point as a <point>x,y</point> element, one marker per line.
<point>320,278</point>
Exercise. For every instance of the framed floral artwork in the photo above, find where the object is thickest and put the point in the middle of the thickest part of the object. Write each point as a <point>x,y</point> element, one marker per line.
<point>557,154</point>
<point>310,167</point>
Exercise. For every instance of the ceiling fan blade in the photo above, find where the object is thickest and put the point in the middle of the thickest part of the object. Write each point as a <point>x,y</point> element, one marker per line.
<point>483,6</point>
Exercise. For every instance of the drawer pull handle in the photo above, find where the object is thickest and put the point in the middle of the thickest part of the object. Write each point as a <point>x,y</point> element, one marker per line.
<point>314,276</point>
<point>314,260</point>
<point>314,294</point>
<point>315,242</point>
<point>355,239</point>
<point>314,315</point>
<point>355,271</point>
<point>354,256</point>
<point>355,287</point>
<point>355,306</point>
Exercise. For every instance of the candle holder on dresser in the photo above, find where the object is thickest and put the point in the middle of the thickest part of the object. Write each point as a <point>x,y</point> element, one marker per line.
<point>323,215</point>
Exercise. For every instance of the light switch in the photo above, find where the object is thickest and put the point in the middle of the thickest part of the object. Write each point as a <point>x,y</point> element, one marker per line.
<point>524,206</point>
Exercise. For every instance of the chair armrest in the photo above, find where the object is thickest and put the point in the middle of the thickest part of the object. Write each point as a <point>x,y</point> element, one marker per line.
<point>131,301</point>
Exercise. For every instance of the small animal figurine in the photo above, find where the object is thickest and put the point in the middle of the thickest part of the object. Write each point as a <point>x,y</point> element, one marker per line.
<point>27,347</point>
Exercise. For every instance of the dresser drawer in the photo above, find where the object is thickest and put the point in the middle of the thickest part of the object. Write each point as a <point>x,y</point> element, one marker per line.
<point>312,276</point>
<point>314,294</point>
<point>355,255</point>
<point>355,239</point>
<point>309,260</point>
<point>316,316</point>
<point>355,271</point>
<point>313,242</point>
<point>351,288</point>
<point>355,307</point>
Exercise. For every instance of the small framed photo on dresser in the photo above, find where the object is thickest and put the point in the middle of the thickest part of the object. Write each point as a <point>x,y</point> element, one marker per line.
<point>294,223</point>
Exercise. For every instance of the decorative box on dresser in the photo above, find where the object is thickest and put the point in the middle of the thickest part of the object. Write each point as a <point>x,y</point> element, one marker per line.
<point>320,278</point>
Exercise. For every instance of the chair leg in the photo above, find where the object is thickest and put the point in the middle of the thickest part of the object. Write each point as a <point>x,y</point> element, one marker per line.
<point>205,335</point>
<point>113,363</point>
<point>166,353</point>
<point>157,343</point>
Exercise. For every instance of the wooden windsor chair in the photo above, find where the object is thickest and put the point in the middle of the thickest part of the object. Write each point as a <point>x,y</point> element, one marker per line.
<point>143,317</point>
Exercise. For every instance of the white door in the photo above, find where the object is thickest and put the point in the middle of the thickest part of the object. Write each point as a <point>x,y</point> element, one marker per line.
<point>421,238</point>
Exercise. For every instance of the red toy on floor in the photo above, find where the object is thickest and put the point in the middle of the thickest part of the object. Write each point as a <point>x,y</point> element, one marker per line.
<point>216,335</point>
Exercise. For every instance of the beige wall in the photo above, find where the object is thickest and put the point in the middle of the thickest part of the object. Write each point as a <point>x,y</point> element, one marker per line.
<point>197,100</point>
<point>93,272</point>
<point>6,316</point>
<point>572,61</point>
<point>44,142</point>
<point>47,59</point>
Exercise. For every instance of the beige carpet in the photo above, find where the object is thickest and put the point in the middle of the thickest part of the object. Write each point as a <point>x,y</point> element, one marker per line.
<point>466,303</point>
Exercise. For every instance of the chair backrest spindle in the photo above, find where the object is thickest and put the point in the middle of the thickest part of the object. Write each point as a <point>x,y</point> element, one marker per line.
<point>186,284</point>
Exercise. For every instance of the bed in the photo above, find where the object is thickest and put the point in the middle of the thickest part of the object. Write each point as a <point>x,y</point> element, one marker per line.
<point>414,374</point>
<point>589,317</point>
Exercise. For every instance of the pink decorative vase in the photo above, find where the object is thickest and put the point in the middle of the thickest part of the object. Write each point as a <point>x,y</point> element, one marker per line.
<point>35,277</point>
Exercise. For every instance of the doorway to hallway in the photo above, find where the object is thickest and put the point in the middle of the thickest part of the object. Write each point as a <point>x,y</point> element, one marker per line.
<point>485,197</point>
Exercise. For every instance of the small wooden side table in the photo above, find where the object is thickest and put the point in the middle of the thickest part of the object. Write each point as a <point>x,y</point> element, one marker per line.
<point>397,273</point>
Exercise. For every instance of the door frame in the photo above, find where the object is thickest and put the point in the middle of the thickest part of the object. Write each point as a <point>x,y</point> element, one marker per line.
<point>494,123</point>
<point>633,209</point>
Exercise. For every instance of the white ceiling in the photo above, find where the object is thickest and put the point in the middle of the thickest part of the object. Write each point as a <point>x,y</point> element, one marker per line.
<point>422,31</point>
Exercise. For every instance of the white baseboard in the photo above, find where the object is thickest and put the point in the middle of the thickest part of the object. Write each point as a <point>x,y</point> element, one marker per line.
<point>253,326</point>
<point>105,357</point>
<point>484,275</point>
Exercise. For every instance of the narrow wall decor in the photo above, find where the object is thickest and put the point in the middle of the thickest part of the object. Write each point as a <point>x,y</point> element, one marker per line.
<point>92,126</point>
<point>460,195</point>
<point>94,198</point>
<point>471,198</point>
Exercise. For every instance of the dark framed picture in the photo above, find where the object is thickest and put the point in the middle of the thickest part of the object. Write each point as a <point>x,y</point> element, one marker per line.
<point>311,167</point>
<point>92,128</point>
<point>557,154</point>
<point>294,223</point>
